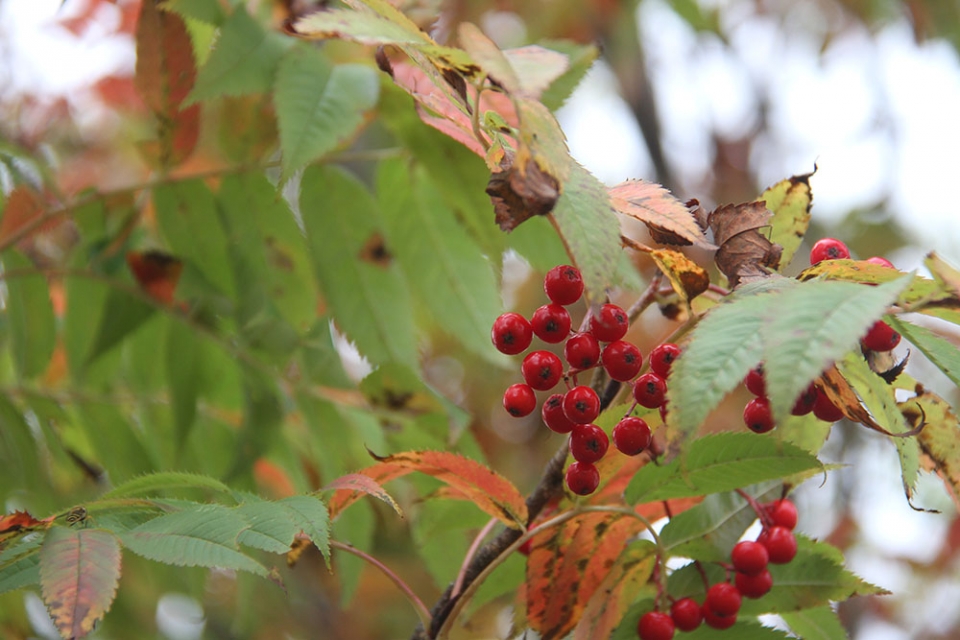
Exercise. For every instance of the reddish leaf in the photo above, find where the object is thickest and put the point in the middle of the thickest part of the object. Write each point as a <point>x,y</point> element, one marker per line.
<point>565,570</point>
<point>119,92</point>
<point>23,206</point>
<point>79,574</point>
<point>490,491</point>
<point>350,486</point>
<point>744,253</point>
<point>156,272</point>
<point>610,601</point>
<point>669,220</point>
<point>165,75</point>
<point>17,523</point>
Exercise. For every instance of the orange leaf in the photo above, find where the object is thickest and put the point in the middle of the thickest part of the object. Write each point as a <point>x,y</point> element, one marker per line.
<point>22,208</point>
<point>350,486</point>
<point>156,272</point>
<point>610,601</point>
<point>668,219</point>
<point>18,522</point>
<point>79,574</point>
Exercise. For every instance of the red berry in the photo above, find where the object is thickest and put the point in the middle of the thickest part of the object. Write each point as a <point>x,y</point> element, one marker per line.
<point>757,415</point>
<point>805,401</point>
<point>749,557</point>
<point>519,400</point>
<point>611,323</point>
<point>631,436</point>
<point>582,351</point>
<point>621,360</point>
<point>526,547</point>
<point>581,404</point>
<point>717,621</point>
<point>880,337</point>
<point>780,542</point>
<point>650,390</point>
<point>511,333</point>
<point>541,370</point>
<point>722,599</point>
<point>755,382</point>
<point>655,625</point>
<point>883,262</point>
<point>754,586</point>
<point>582,478</point>
<point>824,408</point>
<point>563,284</point>
<point>553,415</point>
<point>551,323</point>
<point>662,357</point>
<point>686,614</point>
<point>828,249</point>
<point>783,513</point>
<point>588,443</point>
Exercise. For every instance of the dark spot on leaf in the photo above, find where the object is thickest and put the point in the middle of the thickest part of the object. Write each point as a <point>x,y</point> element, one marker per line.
<point>375,251</point>
<point>459,85</point>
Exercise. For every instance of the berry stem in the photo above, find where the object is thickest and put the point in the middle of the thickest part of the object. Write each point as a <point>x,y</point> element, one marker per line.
<point>760,511</point>
<point>417,603</point>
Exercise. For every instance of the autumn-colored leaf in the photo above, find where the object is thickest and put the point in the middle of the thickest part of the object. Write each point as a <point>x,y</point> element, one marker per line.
<point>944,274</point>
<point>349,488</point>
<point>18,522</point>
<point>843,395</point>
<point>744,254</point>
<point>686,277</point>
<point>940,437</point>
<point>156,272</point>
<point>22,207</point>
<point>518,195</point>
<point>790,201</point>
<point>565,572</point>
<point>79,574</point>
<point>669,220</point>
<point>165,75</point>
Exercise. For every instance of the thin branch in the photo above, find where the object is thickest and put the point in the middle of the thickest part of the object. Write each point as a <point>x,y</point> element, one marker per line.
<point>487,528</point>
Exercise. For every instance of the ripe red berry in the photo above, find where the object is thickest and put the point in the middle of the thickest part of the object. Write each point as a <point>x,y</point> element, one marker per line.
<point>662,357</point>
<point>754,586</point>
<point>610,323</point>
<point>541,370</point>
<point>755,382</point>
<point>563,284</point>
<point>526,547</point>
<point>824,408</point>
<point>511,333</point>
<point>650,390</point>
<point>582,478</point>
<point>783,513</point>
<point>655,625</point>
<point>780,542</point>
<point>553,415</point>
<point>749,557</point>
<point>519,400</point>
<point>757,415</point>
<point>883,262</point>
<point>722,599</point>
<point>621,360</point>
<point>581,404</point>
<point>582,351</point>
<point>686,614</point>
<point>880,337</point>
<point>805,401</point>
<point>631,436</point>
<point>588,443</point>
<point>828,249</point>
<point>717,621</point>
<point>551,323</point>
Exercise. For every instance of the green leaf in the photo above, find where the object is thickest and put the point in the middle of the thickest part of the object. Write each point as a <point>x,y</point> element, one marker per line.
<point>185,362</point>
<point>708,531</point>
<point>29,314</point>
<point>812,325</point>
<point>310,515</point>
<point>117,442</point>
<point>817,623</point>
<point>79,576</point>
<point>205,536</point>
<point>162,481</point>
<point>790,201</point>
<point>19,451</point>
<point>269,527</point>
<point>590,229</point>
<point>369,300</point>
<point>21,569</point>
<point>244,60</point>
<point>941,352</point>
<point>716,463</point>
<point>208,11</point>
<point>319,105</point>
<point>879,399</point>
<point>442,264</point>
<point>744,629</point>
<point>354,527</point>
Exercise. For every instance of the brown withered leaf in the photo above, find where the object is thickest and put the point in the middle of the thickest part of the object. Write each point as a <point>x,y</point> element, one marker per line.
<point>669,220</point>
<point>842,394</point>
<point>519,195</point>
<point>745,254</point>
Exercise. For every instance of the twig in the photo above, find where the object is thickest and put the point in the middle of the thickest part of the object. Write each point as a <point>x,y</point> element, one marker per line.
<point>458,585</point>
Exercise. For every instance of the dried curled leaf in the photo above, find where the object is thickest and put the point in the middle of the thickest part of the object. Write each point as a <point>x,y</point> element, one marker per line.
<point>744,254</point>
<point>519,195</point>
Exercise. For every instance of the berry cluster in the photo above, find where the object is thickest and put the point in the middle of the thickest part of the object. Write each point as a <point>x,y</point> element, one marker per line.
<point>776,544</point>
<point>881,337</point>
<point>601,344</point>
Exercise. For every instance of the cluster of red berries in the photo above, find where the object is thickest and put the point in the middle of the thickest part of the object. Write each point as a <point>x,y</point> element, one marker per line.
<point>881,337</point>
<point>574,411</point>
<point>776,544</point>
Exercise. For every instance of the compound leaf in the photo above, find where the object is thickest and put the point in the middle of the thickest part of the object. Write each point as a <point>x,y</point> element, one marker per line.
<point>29,313</point>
